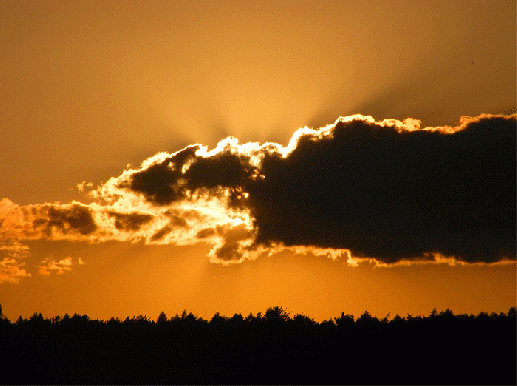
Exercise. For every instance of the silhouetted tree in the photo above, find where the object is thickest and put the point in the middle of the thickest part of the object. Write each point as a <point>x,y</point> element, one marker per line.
<point>344,321</point>
<point>304,321</point>
<point>187,349</point>
<point>162,318</point>
<point>276,315</point>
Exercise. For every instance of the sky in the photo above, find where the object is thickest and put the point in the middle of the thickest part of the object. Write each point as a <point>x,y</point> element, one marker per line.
<point>230,156</point>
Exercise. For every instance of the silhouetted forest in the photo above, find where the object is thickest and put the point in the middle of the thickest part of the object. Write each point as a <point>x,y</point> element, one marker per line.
<point>270,347</point>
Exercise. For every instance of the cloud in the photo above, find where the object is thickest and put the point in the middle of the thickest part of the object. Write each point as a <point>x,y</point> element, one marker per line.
<point>46,221</point>
<point>49,265</point>
<point>129,221</point>
<point>13,255</point>
<point>385,191</point>
<point>388,193</point>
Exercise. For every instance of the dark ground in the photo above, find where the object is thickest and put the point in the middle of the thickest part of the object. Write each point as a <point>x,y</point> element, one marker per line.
<point>441,348</point>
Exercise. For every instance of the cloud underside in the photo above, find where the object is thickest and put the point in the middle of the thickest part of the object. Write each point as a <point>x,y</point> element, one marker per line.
<point>359,188</point>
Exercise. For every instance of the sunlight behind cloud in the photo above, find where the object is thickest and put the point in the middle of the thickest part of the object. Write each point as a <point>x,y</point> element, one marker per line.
<point>252,199</point>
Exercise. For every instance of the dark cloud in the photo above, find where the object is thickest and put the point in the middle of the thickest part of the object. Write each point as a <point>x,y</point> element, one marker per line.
<point>178,218</point>
<point>77,218</point>
<point>176,221</point>
<point>378,190</point>
<point>231,248</point>
<point>130,221</point>
<point>177,176</point>
<point>204,233</point>
<point>394,195</point>
<point>161,233</point>
<point>161,182</point>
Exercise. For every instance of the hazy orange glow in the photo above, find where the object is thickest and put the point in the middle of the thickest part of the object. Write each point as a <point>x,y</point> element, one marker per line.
<point>104,104</point>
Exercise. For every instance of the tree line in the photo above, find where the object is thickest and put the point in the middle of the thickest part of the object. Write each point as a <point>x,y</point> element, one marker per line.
<point>269,347</point>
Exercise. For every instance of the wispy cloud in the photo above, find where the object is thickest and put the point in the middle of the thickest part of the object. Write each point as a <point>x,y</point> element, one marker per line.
<point>356,189</point>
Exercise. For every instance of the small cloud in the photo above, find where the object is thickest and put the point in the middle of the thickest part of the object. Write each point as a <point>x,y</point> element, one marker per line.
<point>14,255</point>
<point>11,272</point>
<point>49,265</point>
<point>83,186</point>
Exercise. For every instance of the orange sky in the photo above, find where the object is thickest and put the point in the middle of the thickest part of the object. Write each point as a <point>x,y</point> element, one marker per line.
<point>88,87</point>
